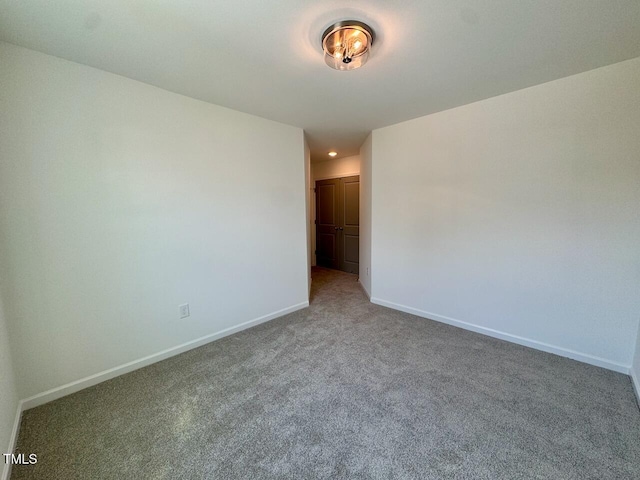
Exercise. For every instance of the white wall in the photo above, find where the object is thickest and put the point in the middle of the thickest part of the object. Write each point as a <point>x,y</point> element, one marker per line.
<point>518,215</point>
<point>119,201</point>
<point>365,215</point>
<point>333,168</point>
<point>8,394</point>
<point>308,203</point>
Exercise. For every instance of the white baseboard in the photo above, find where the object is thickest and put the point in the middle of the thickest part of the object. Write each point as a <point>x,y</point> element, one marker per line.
<point>366,292</point>
<point>545,347</point>
<point>635,381</point>
<point>69,388</point>
<point>13,440</point>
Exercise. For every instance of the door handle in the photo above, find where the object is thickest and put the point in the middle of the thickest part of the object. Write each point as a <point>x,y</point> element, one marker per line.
<point>336,228</point>
<point>341,228</point>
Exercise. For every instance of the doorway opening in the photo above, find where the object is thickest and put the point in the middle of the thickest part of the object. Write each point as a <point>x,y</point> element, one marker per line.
<point>337,223</point>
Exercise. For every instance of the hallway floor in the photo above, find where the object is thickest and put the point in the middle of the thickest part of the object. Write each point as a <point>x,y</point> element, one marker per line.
<point>344,389</point>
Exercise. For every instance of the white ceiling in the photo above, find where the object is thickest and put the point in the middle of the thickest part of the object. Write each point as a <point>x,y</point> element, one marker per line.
<point>264,57</point>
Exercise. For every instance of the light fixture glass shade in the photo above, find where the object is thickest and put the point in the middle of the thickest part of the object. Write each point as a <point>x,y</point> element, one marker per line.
<point>346,44</point>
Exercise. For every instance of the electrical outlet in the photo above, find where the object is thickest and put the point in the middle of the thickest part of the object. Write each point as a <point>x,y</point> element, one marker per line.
<point>367,271</point>
<point>184,310</point>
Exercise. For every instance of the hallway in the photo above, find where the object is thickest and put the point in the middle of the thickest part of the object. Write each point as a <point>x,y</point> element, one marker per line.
<point>344,389</point>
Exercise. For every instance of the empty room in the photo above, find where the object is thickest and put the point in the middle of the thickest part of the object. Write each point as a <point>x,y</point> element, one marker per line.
<point>319,240</point>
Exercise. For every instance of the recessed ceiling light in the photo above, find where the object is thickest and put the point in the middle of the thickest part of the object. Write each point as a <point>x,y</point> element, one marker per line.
<point>346,44</point>
<point>333,154</point>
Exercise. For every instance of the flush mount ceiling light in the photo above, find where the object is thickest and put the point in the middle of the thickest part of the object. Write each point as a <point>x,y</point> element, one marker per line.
<point>332,154</point>
<point>346,44</point>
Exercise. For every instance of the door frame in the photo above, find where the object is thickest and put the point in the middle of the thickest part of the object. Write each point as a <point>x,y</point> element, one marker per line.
<point>314,193</point>
<point>313,209</point>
